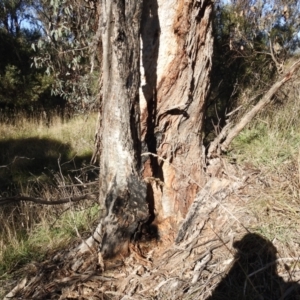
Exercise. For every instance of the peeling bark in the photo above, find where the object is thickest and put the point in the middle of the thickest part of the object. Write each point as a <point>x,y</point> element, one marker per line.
<point>208,198</point>
<point>177,66</point>
<point>176,49</point>
<point>122,193</point>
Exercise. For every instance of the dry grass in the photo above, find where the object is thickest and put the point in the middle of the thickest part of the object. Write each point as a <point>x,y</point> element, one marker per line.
<point>40,160</point>
<point>269,148</point>
<point>251,239</point>
<point>31,151</point>
<point>78,132</point>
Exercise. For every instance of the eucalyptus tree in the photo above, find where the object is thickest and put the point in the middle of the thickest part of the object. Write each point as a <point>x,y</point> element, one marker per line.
<point>64,49</point>
<point>157,57</point>
<point>20,85</point>
<point>157,60</point>
<point>154,59</point>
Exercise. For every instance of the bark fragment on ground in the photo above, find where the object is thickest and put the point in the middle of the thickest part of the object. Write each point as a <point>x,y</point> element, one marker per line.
<point>203,264</point>
<point>142,271</point>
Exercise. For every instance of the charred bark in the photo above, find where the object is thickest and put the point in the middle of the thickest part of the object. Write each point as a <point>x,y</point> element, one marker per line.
<point>122,193</point>
<point>175,66</point>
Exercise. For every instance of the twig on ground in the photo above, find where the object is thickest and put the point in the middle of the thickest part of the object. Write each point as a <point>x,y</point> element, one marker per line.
<point>7,200</point>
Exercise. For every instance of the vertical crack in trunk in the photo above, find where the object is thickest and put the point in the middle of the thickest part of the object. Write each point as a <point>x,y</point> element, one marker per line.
<point>177,66</point>
<point>174,87</point>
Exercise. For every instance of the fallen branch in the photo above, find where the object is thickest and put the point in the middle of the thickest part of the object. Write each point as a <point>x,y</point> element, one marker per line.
<point>15,159</point>
<point>223,140</point>
<point>7,200</point>
<point>79,184</point>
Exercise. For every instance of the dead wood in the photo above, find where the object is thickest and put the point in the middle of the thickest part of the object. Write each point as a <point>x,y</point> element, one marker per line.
<point>9,200</point>
<point>192,268</point>
<point>140,272</point>
<point>230,131</point>
<point>209,198</point>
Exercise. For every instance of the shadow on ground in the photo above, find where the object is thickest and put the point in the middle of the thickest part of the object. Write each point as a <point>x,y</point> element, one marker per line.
<point>253,275</point>
<point>36,160</point>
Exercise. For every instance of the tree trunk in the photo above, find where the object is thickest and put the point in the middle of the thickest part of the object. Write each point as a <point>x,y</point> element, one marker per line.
<point>160,113</point>
<point>177,47</point>
<point>122,193</point>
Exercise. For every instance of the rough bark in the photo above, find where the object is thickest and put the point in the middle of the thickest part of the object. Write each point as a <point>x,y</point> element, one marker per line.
<point>122,193</point>
<point>177,44</point>
<point>176,49</point>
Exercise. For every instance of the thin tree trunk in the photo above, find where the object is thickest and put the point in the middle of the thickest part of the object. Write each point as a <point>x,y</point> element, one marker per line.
<point>122,193</point>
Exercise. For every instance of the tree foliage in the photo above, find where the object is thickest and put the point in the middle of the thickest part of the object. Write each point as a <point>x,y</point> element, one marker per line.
<point>65,48</point>
<point>19,83</point>
<point>46,51</point>
<point>12,14</point>
<point>252,41</point>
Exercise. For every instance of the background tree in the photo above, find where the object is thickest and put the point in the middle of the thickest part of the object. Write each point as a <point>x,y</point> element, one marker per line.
<point>252,42</point>
<point>48,53</point>
<point>66,49</point>
<point>20,85</point>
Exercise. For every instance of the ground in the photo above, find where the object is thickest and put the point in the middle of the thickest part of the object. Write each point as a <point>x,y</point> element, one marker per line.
<point>244,244</point>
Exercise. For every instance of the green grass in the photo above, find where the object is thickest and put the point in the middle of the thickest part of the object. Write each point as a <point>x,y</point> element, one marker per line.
<point>32,151</point>
<point>18,247</point>
<point>37,160</point>
<point>266,146</point>
<point>273,138</point>
<point>271,145</point>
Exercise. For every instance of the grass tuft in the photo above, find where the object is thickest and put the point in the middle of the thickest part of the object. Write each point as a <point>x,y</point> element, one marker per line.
<point>270,148</point>
<point>44,161</point>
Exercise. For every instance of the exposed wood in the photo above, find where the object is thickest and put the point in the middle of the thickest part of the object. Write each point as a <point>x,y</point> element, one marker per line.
<point>173,94</point>
<point>209,197</point>
<point>176,64</point>
<point>12,294</point>
<point>176,57</point>
<point>174,190</point>
<point>217,257</point>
